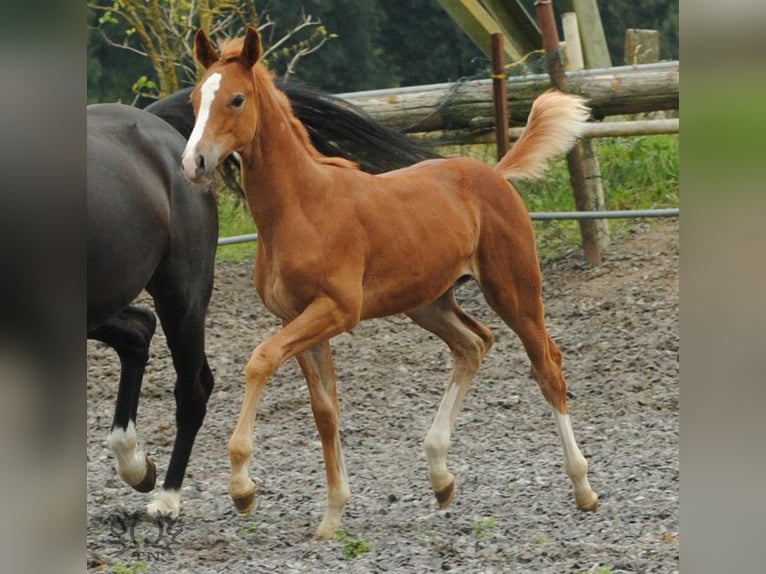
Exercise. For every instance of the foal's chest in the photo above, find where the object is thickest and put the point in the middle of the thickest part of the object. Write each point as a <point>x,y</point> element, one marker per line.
<point>280,296</point>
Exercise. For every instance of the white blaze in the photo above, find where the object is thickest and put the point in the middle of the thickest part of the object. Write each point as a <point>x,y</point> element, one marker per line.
<point>208,91</point>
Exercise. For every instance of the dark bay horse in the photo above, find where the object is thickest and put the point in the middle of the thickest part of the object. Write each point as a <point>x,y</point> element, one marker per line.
<point>338,245</point>
<point>150,228</point>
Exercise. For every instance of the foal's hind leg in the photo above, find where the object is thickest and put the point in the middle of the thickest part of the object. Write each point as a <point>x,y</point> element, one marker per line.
<point>469,342</point>
<point>519,303</point>
<point>129,334</point>
<point>317,366</point>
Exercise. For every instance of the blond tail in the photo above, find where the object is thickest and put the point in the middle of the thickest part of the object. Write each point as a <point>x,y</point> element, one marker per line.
<point>555,122</point>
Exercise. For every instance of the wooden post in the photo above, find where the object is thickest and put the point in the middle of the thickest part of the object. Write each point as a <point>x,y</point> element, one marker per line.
<point>500,94</point>
<point>641,46</point>
<point>572,45</point>
<point>595,50</point>
<point>590,156</point>
<point>577,175</point>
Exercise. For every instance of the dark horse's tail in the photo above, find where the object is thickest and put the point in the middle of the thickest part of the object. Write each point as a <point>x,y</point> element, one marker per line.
<point>336,127</point>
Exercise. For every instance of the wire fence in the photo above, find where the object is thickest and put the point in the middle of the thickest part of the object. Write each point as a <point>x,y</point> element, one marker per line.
<point>541,216</point>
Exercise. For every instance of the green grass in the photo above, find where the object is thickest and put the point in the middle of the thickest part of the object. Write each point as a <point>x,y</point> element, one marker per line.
<point>352,547</point>
<point>120,567</point>
<point>234,219</point>
<point>639,172</point>
<point>484,526</point>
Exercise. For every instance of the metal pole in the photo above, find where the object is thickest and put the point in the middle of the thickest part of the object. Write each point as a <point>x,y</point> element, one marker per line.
<point>500,94</point>
<point>614,214</point>
<point>537,216</point>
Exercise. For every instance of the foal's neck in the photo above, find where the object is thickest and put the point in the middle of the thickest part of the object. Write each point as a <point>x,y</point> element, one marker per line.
<point>281,166</point>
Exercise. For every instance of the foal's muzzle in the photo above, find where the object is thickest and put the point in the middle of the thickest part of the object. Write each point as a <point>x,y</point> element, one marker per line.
<point>197,168</point>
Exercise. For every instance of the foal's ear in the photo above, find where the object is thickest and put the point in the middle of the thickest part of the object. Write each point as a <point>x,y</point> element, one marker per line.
<point>251,49</point>
<point>203,50</point>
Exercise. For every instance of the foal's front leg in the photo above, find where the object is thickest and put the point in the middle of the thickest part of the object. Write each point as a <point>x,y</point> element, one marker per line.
<point>317,366</point>
<point>320,321</point>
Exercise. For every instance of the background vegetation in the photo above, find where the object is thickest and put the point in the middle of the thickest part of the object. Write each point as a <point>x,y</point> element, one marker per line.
<point>370,44</point>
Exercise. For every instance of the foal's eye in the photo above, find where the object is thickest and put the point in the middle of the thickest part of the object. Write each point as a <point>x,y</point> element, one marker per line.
<point>237,101</point>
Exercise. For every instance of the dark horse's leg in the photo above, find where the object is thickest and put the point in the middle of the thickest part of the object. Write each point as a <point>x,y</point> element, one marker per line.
<point>182,314</point>
<point>129,334</point>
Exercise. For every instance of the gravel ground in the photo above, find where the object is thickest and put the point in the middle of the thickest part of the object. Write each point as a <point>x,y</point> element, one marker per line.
<point>617,326</point>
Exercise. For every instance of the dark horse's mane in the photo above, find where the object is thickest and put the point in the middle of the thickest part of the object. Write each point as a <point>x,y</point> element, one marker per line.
<point>336,127</point>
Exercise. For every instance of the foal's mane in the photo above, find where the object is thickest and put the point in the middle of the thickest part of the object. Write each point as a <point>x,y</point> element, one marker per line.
<point>230,51</point>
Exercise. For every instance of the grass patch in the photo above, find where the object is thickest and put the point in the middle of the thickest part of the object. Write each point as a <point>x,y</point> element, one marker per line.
<point>234,219</point>
<point>483,527</point>
<point>120,567</point>
<point>251,528</point>
<point>352,547</point>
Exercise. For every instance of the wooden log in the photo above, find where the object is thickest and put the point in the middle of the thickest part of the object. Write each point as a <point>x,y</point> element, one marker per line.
<point>468,105</point>
<point>479,25</point>
<point>516,22</point>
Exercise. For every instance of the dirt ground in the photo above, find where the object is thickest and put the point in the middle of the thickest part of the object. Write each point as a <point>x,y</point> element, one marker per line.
<point>617,327</point>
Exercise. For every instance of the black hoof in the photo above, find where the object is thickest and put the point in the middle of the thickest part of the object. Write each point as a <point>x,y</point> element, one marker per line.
<point>150,478</point>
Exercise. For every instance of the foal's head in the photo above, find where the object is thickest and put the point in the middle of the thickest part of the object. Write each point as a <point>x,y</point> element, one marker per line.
<point>225,103</point>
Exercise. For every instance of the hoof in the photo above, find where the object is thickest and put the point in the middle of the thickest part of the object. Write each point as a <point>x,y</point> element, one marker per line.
<point>165,503</point>
<point>150,478</point>
<point>244,502</point>
<point>445,495</point>
<point>589,505</point>
<point>325,532</point>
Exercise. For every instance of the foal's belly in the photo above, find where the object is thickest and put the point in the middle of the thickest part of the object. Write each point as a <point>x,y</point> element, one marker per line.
<point>413,287</point>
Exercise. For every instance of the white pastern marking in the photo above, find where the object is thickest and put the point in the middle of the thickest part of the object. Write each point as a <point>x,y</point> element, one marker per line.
<point>574,461</point>
<point>575,464</point>
<point>208,91</point>
<point>166,502</point>
<point>131,462</point>
<point>438,437</point>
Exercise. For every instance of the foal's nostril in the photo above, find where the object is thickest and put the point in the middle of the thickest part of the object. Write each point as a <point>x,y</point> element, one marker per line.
<point>200,163</point>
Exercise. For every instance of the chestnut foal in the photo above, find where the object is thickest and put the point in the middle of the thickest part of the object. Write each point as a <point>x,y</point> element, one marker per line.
<point>337,246</point>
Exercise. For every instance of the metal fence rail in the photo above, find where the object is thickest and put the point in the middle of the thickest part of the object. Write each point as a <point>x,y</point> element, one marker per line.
<point>615,214</point>
<point>541,216</point>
